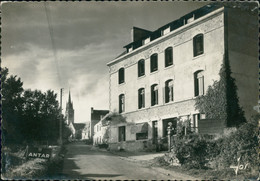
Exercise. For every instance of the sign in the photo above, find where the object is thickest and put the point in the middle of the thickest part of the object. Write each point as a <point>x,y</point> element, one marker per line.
<point>34,152</point>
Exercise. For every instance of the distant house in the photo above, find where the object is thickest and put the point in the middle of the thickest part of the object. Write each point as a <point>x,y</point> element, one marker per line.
<point>72,129</point>
<point>86,132</point>
<point>96,116</point>
<point>78,129</point>
<point>100,131</point>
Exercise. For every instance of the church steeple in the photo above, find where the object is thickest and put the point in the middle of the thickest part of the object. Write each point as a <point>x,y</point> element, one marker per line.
<point>69,98</point>
<point>69,111</point>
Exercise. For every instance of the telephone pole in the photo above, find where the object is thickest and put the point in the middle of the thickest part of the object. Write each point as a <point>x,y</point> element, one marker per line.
<point>61,116</point>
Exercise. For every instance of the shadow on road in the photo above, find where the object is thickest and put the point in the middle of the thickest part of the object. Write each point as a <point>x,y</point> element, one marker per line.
<point>76,175</point>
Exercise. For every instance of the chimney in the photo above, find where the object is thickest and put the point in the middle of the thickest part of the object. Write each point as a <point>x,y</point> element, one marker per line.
<point>138,33</point>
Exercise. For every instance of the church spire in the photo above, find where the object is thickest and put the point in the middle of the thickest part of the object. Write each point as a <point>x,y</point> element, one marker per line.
<point>69,111</point>
<point>69,98</point>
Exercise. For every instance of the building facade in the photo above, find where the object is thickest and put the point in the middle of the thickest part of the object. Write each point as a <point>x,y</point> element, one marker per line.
<point>86,132</point>
<point>161,73</point>
<point>96,116</point>
<point>101,131</point>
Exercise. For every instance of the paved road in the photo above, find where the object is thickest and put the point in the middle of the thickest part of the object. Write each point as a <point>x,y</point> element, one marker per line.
<point>82,162</point>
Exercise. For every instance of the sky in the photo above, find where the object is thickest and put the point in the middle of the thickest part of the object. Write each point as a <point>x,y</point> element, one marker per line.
<point>54,45</point>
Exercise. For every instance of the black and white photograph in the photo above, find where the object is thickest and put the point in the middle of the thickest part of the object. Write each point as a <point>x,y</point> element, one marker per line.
<point>130,90</point>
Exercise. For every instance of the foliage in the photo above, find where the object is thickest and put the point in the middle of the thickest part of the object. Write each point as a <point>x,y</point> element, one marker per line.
<point>191,151</point>
<point>115,118</point>
<point>181,126</point>
<point>197,151</point>
<point>11,106</point>
<point>28,116</point>
<point>221,100</point>
<point>242,143</point>
<point>40,116</point>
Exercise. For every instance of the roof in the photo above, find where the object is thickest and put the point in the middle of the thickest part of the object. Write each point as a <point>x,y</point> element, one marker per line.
<point>176,23</point>
<point>79,126</point>
<point>95,114</point>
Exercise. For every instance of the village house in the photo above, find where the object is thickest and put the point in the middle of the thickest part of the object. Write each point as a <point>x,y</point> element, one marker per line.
<point>86,132</point>
<point>156,80</point>
<point>101,131</point>
<point>96,116</point>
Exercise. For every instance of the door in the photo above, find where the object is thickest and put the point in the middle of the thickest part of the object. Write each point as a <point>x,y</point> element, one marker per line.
<point>155,131</point>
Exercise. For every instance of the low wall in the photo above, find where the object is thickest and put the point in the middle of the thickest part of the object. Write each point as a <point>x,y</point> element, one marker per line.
<point>139,145</point>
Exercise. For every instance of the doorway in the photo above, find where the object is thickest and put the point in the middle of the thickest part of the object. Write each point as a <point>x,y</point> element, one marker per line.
<point>155,131</point>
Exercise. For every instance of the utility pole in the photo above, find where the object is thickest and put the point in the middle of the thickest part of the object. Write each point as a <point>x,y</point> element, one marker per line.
<point>61,116</point>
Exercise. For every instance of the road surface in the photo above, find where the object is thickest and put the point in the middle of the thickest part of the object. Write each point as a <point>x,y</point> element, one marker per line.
<point>82,162</point>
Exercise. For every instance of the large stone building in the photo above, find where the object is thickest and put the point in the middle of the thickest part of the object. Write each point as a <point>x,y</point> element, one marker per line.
<point>161,72</point>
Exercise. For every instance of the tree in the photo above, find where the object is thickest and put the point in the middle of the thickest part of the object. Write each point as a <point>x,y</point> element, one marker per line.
<point>28,115</point>
<point>41,116</point>
<point>11,107</point>
<point>221,100</point>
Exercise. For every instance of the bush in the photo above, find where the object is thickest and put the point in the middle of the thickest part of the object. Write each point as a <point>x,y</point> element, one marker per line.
<point>241,144</point>
<point>191,151</point>
<point>197,151</point>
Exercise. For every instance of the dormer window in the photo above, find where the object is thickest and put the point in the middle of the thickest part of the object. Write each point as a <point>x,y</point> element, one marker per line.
<point>147,40</point>
<point>166,31</point>
<point>130,49</point>
<point>189,20</point>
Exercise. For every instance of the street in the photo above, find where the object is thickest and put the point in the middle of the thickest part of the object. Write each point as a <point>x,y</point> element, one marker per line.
<point>82,162</point>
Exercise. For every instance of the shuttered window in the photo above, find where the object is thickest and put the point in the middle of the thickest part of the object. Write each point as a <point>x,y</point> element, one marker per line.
<point>121,103</point>
<point>141,98</point>
<point>168,91</point>
<point>198,83</point>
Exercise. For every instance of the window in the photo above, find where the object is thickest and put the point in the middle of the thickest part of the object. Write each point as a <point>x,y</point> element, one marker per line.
<point>141,136</point>
<point>168,91</point>
<point>154,94</point>
<point>198,83</point>
<point>121,103</point>
<point>142,132</point>
<point>168,57</point>
<point>194,122</point>
<point>121,76</point>
<point>165,125</point>
<point>141,100</point>
<point>198,48</point>
<point>141,68</point>
<point>121,133</point>
<point>154,62</point>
